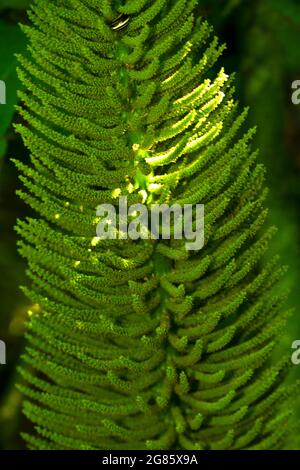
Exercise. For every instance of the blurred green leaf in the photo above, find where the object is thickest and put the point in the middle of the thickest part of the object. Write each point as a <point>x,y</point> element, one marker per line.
<point>290,46</point>
<point>288,8</point>
<point>19,4</point>
<point>12,40</point>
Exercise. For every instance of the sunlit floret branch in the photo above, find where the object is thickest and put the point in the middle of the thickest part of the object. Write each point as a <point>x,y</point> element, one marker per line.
<point>139,345</point>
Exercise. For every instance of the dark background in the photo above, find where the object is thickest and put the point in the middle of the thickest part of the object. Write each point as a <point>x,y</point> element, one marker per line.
<point>263,39</point>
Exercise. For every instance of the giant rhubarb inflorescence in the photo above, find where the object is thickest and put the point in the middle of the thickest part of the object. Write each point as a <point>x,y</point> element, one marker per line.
<point>143,344</point>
